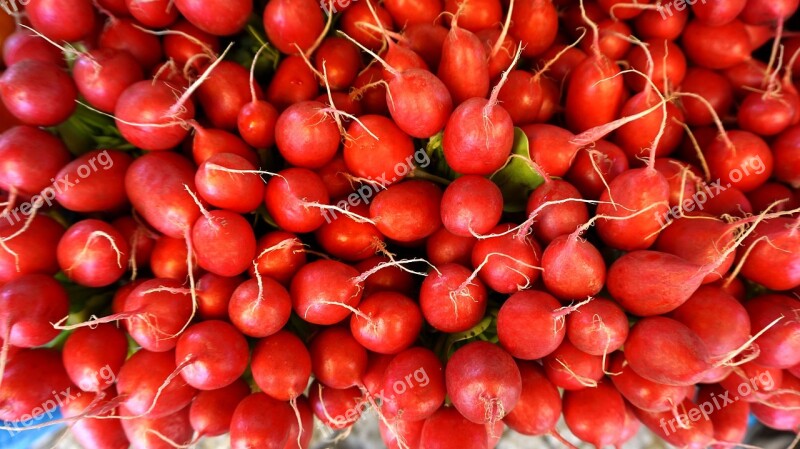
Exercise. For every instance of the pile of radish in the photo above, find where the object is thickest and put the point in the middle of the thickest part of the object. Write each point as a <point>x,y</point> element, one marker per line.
<point>246,217</point>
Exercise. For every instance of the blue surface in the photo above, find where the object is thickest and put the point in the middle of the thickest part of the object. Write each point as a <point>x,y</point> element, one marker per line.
<point>24,439</point>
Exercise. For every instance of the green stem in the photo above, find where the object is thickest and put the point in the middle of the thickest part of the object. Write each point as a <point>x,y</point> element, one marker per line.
<point>418,173</point>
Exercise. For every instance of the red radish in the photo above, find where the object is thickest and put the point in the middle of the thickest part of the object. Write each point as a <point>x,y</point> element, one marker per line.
<point>343,102</point>
<point>150,387</point>
<point>717,318</point>
<point>521,97</point>
<point>652,24</point>
<point>93,357</point>
<point>463,66</point>
<point>184,42</point>
<point>732,202</point>
<point>535,24</point>
<point>61,21</point>
<point>498,60</point>
<point>29,247</point>
<point>224,243</point>
<point>572,369</point>
<point>778,346</point>
<point>170,259</point>
<point>307,134</point>
<point>211,355</point>
<point>336,409</point>
<point>598,327</point>
<point>224,93</point>
<point>152,13</point>
<point>173,211</point>
<point>218,183</point>
<point>642,393</point>
<point>157,311</point>
<point>550,148</point>
<point>38,93</point>
<point>471,205</point>
<point>149,433</point>
<point>554,209</point>
<point>452,300</point>
<point>29,382</point>
<point>483,382</point>
<point>668,64</point>
<point>387,322</point>
<point>338,360</point>
<point>448,429</point>
<point>301,437</point>
<point>678,431</point>
<point>263,422</point>
<point>595,415</point>
<point>388,211</point>
<point>377,149</point>
<point>285,350</point>
<point>745,76</point>
<point>637,136</point>
<point>209,142</point>
<point>370,92</point>
<point>288,198</point>
<point>713,87</point>
<point>146,116</point>
<point>682,178</point>
<point>259,307</point>
<point>507,262</point>
<point>786,151</point>
<point>24,147</point>
<point>413,386</point>
<point>123,34</point>
<point>102,75</point>
<point>348,238</point>
<point>407,13</point>
<point>93,253</point>
<point>743,161</point>
<point>292,82</point>
<point>700,241</point>
<point>289,23</point>
<point>731,421</point>
<point>475,15</point>
<point>762,12</point>
<point>376,369</point>
<point>335,176</point>
<point>774,244</point>
<point>103,189</point>
<point>418,101</point>
<point>359,14</point>
<point>24,44</point>
<point>403,433</point>
<point>780,412</point>
<point>701,43</point>
<point>770,193</point>
<point>539,406</point>
<point>390,277</point>
<point>213,295</point>
<point>280,255</point>
<point>444,247</point>
<point>324,292</point>
<point>592,169</point>
<point>256,123</point>
<point>573,268</point>
<point>768,113</point>
<point>426,39</point>
<point>95,433</point>
<point>221,18</point>
<point>340,60</point>
<point>211,411</point>
<point>718,12</point>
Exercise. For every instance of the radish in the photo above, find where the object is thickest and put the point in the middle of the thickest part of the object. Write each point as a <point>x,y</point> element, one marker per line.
<point>95,433</point>
<point>289,23</point>
<point>224,242</point>
<point>61,21</point>
<point>651,24</point>
<point>280,255</point>
<point>260,421</point>
<point>534,23</point>
<point>443,247</point>
<point>327,302</point>
<point>336,409</point>
<point>463,66</point>
<point>209,142</point>
<point>340,60</point>
<point>452,300</point>
<point>550,148</point>
<point>780,412</point>
<point>289,196</point>
<point>338,360</point>
<point>599,327</point>
<point>413,386</point>
<point>301,437</point>
<point>448,429</point>
<point>521,97</point>
<point>256,123</point>
<point>471,205</point>
<point>718,12</point>
<point>156,312</point>
<point>216,17</point>
<point>292,82</point>
<point>102,75</point>
<point>123,34</point>
<point>211,355</point>
<point>23,147</point>
<point>573,268</point>
<point>388,212</point>
<point>778,345</point>
<point>211,411</point>
<point>539,406</point>
<point>483,382</point>
<point>678,431</point>
<point>93,253</point>
<point>307,134</point>
<point>506,262</point>
<point>494,38</point>
<point>152,14</point>
<point>147,116</point>
<point>572,369</point>
<point>229,181</point>
<point>93,357</point>
<point>699,241</point>
<point>184,42</point>
<point>387,322</point>
<point>25,44</point>
<point>775,244</point>
<point>102,190</point>
<point>403,433</point>
<point>593,168</point>
<point>376,369</point>
<point>760,12</point>
<point>150,433</point>
<point>361,20</point>
<point>376,148</point>
<point>668,64</point>
<point>713,87</point>
<point>475,15</point>
<point>427,40</point>
<point>406,13</point>
<point>642,393</point>
<point>29,247</point>
<point>29,381</point>
<point>389,277</point>
<point>681,177</point>
<point>224,93</point>
<point>786,151</point>
<point>554,209</point>
<point>150,385</point>
<point>286,350</point>
<point>259,307</point>
<point>170,259</point>
<point>595,415</point>
<point>730,422</point>
<point>350,238</point>
<point>701,44</point>
<point>370,92</point>
<point>38,93</point>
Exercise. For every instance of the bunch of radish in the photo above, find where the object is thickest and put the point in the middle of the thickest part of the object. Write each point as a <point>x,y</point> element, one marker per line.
<point>461,216</point>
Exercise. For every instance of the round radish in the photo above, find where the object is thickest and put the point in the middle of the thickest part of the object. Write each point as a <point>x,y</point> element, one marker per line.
<point>285,350</point>
<point>146,116</point>
<point>217,17</point>
<point>642,393</point>
<point>451,299</point>
<point>471,205</point>
<point>389,210</point>
<point>25,147</point>
<point>448,429</point>
<point>101,190</point>
<point>573,268</point>
<point>778,345</point>
<point>595,415</point>
<point>263,422</point>
<point>387,322</point>
<point>29,305</point>
<point>211,411</point>
<point>141,378</point>
<point>259,307</point>
<point>539,406</point>
<point>61,21</point>
<point>93,357</point>
<point>507,263</point>
<point>29,381</point>
<point>224,243</point>
<point>413,386</point>
<point>289,197</point>
<point>324,292</point>
<point>102,75</point>
<point>337,359</point>
<point>280,255</point>
<point>597,328</point>
<point>157,310</point>
<point>377,149</point>
<point>38,93</point>
<point>93,253</point>
<point>211,355</point>
<point>572,369</point>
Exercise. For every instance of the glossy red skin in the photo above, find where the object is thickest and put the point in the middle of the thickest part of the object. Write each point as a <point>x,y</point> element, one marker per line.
<point>306,135</point>
<point>30,304</point>
<point>209,142</point>
<point>413,385</point>
<point>595,415</point>
<point>336,409</point>
<point>263,422</point>
<point>337,359</point>
<point>376,369</point>
<point>448,429</point>
<point>211,411</point>
<point>717,318</point>
<point>359,12</point>
<point>259,316</point>
<point>759,12</point>
<point>730,422</point>
<point>521,97</point>
<point>768,115</point>
<point>256,123</point>
<point>389,210</point>
<point>279,263</point>
<point>373,98</point>
<point>292,82</point>
<point>169,259</point>
<point>781,412</point>
<point>459,312</point>
<point>411,12</point>
<point>141,376</point>
<point>718,12</point>
<point>95,433</point>
<point>93,262</point>
<point>217,17</point>
<point>507,274</point>
<point>121,34</point>
<point>636,137</point>
<point>590,84</point>
<point>25,147</point>
<point>498,61</point>
<point>36,248</point>
<point>786,151</point>
<point>379,159</point>
<point>463,66</point>
<point>555,220</point>
<point>388,278</point>
<point>701,44</point>
<point>167,313</point>
<point>285,350</point>
<point>445,247</point>
<point>140,239</point>
<point>471,205</point>
<point>426,39</point>
<point>403,432</point>
<point>216,352</point>
<point>224,93</point>
<point>23,44</point>
<point>471,145</point>
<point>61,21</point>
<point>347,239</point>
<point>713,87</point>
<point>147,102</point>
<point>224,243</point>
<point>324,280</point>
<point>750,155</point>
<point>611,161</point>
<point>675,64</point>
<point>572,369</point>
<point>681,356</point>
<point>561,68</point>
<point>181,49</point>
<point>286,195</point>
<point>152,14</point>
<point>396,322</point>
<point>769,193</point>
<point>172,211</point>
<point>121,295</point>
<point>746,75</point>
<point>139,431</point>
<point>539,405</point>
<point>344,102</point>
<point>779,349</point>
<point>38,93</point>
<point>102,190</point>
<point>288,22</point>
<point>213,295</point>
<point>535,39</point>
<point>28,382</point>
<point>650,24</point>
<point>525,310</point>
<point>682,179</point>
<point>550,147</point>
<point>419,102</point>
<point>306,419</point>
<point>699,242</point>
<point>642,393</point>
<point>611,45</point>
<point>598,327</point>
<point>573,268</point>
<point>475,15</point>
<point>696,436</point>
<point>93,357</point>
<point>340,60</point>
<point>240,193</point>
<point>102,75</point>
